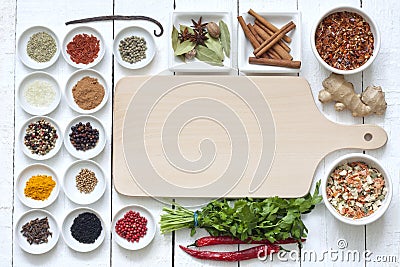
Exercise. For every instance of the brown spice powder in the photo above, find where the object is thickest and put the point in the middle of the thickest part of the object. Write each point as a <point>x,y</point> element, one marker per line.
<point>88,93</point>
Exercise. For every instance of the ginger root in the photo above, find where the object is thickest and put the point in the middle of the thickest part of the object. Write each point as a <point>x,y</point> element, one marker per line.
<point>336,88</point>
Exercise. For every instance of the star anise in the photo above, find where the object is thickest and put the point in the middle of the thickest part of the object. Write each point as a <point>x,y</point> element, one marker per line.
<point>199,38</point>
<point>197,26</point>
<point>185,35</point>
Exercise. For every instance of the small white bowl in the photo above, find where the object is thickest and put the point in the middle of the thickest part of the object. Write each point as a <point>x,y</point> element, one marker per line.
<point>40,76</point>
<point>71,241</point>
<point>144,241</point>
<point>23,42</point>
<point>35,248</point>
<point>52,152</point>
<point>83,30</point>
<point>374,30</point>
<point>26,174</point>
<point>69,183</point>
<point>73,80</point>
<point>371,161</point>
<point>139,32</point>
<point>91,153</point>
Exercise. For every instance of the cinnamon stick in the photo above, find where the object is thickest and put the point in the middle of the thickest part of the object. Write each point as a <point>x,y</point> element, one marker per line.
<point>274,39</point>
<point>278,48</point>
<point>269,32</point>
<point>249,35</point>
<point>253,31</point>
<point>268,24</point>
<point>275,62</point>
<point>270,53</point>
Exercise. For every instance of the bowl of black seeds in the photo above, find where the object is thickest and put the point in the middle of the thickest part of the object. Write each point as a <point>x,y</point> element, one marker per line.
<point>84,182</point>
<point>36,231</point>
<point>38,47</point>
<point>83,229</point>
<point>85,137</point>
<point>41,138</point>
<point>134,47</point>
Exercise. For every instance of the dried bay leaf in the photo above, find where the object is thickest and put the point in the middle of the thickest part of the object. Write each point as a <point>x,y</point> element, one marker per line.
<point>225,38</point>
<point>174,38</point>
<point>215,45</point>
<point>184,47</point>
<point>207,55</point>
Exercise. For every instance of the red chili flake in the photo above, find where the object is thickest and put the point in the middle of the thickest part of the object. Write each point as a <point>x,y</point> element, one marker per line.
<point>344,40</point>
<point>83,48</point>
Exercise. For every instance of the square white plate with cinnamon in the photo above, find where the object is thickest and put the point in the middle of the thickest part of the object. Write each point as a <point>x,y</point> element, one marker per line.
<point>279,19</point>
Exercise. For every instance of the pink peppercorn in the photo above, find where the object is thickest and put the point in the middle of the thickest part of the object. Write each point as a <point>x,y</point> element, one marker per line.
<point>132,226</point>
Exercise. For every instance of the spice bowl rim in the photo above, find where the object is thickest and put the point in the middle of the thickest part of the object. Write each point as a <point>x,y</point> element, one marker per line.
<point>91,153</point>
<point>75,244</point>
<point>29,108</point>
<point>77,76</point>
<point>45,247</point>
<point>371,161</point>
<point>52,152</point>
<point>90,198</point>
<point>20,185</point>
<point>146,240</point>
<point>150,43</point>
<point>80,30</point>
<point>25,59</point>
<point>374,29</point>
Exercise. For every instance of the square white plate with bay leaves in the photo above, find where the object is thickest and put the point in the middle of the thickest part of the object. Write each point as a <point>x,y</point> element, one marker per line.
<point>210,58</point>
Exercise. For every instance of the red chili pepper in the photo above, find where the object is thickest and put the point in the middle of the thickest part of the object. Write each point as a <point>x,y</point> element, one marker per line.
<point>246,254</point>
<point>226,240</point>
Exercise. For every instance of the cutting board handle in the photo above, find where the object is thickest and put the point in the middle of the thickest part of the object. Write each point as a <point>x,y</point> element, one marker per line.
<point>363,136</point>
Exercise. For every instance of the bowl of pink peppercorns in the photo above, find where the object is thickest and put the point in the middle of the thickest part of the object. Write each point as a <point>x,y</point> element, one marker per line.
<point>357,189</point>
<point>133,227</point>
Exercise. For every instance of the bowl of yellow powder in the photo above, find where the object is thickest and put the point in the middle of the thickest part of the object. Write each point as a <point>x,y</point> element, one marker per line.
<point>37,186</point>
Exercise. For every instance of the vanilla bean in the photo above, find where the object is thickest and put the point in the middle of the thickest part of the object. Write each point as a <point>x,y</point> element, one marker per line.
<point>119,17</point>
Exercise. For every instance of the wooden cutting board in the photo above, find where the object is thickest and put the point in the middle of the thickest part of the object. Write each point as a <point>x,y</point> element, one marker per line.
<point>223,136</point>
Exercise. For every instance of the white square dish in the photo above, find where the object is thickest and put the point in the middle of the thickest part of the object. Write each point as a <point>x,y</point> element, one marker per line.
<point>279,19</point>
<point>195,65</point>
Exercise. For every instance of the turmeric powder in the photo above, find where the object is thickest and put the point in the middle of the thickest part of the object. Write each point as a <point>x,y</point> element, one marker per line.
<point>39,187</point>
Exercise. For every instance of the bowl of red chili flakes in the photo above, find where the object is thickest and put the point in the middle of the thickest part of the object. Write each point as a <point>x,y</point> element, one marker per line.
<point>345,40</point>
<point>83,47</point>
<point>357,189</point>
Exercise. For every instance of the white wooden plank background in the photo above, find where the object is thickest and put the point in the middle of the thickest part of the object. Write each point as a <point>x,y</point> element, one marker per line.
<point>381,238</point>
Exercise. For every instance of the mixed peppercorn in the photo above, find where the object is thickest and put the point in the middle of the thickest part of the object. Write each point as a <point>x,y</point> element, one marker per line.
<point>40,137</point>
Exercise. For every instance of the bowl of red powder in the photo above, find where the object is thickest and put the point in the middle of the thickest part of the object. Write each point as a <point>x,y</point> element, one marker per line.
<point>83,47</point>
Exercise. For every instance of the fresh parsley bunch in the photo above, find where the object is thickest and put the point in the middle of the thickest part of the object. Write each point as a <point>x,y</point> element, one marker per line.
<point>258,219</point>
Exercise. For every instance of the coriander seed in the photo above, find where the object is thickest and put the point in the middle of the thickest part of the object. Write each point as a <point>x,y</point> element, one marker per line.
<point>86,181</point>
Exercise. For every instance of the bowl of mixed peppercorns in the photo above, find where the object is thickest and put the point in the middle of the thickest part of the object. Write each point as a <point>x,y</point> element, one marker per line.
<point>345,40</point>
<point>357,189</point>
